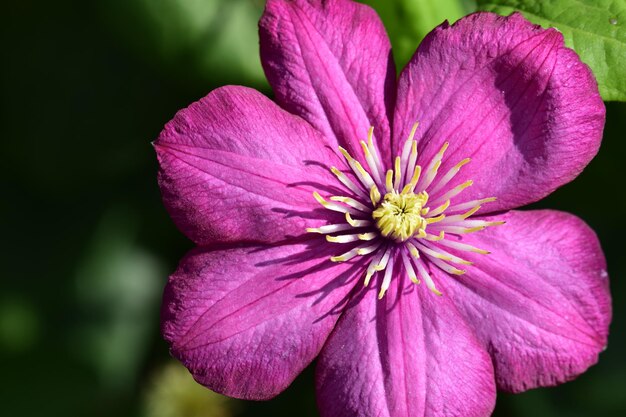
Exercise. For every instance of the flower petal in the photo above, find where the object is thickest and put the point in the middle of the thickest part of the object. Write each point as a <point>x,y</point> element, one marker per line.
<point>234,166</point>
<point>404,356</point>
<point>510,96</point>
<point>246,321</point>
<point>540,301</point>
<point>330,62</point>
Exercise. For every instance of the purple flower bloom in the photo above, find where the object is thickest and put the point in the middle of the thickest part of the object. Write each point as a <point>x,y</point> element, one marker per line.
<point>277,278</point>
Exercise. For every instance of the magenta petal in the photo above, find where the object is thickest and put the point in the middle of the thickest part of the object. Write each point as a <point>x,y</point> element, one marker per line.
<point>330,62</point>
<point>411,356</point>
<point>246,321</point>
<point>540,301</point>
<point>235,167</point>
<point>510,96</point>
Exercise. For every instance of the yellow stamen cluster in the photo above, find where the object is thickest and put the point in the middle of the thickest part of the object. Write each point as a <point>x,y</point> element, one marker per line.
<point>399,215</point>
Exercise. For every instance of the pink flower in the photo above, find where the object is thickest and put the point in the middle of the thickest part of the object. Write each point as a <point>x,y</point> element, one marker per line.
<point>278,278</point>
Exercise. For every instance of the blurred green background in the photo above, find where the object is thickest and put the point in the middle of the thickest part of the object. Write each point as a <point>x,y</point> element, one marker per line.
<point>87,245</point>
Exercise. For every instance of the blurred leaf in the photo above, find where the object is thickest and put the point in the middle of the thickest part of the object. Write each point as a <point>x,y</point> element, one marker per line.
<point>469,6</point>
<point>19,324</point>
<point>211,40</point>
<point>118,286</point>
<point>595,29</point>
<point>174,393</point>
<point>408,21</point>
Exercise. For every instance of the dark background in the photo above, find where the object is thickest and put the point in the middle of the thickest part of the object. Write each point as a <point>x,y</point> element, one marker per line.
<point>87,246</point>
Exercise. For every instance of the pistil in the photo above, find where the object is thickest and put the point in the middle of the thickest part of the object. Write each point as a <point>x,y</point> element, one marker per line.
<point>399,215</point>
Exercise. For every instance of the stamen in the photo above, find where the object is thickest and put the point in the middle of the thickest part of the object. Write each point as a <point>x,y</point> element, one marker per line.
<point>373,150</point>
<point>348,183</point>
<point>413,250</point>
<point>357,223</point>
<point>371,163</point>
<point>358,170</point>
<point>368,249</point>
<point>448,268</point>
<point>463,246</point>
<point>384,260</point>
<point>439,209</point>
<point>441,254</point>
<point>454,192</point>
<point>449,175</point>
<point>352,203</point>
<point>432,220</point>
<point>380,265</point>
<point>342,238</point>
<point>410,168</point>
<point>334,206</point>
<point>386,279</point>
<point>458,230</point>
<point>330,228</point>
<point>346,256</point>
<point>470,204</point>
<point>359,250</point>
<point>398,173</point>
<point>373,267</point>
<point>389,182</point>
<point>460,217</point>
<point>406,150</point>
<point>368,236</point>
<point>409,268</point>
<point>435,238</point>
<point>479,223</point>
<point>410,187</point>
<point>433,167</point>
<point>427,279</point>
<point>374,195</point>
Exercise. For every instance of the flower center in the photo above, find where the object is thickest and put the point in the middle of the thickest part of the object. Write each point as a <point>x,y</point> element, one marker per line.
<point>399,216</point>
<point>391,231</point>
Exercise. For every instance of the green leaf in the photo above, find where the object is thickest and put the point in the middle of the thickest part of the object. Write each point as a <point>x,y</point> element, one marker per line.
<point>595,29</point>
<point>408,21</point>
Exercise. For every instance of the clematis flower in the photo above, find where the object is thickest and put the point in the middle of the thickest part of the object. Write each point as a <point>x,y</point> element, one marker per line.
<point>371,221</point>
